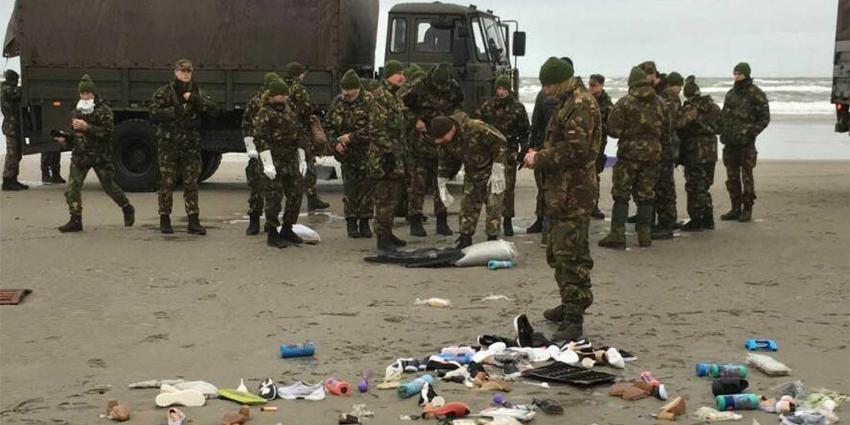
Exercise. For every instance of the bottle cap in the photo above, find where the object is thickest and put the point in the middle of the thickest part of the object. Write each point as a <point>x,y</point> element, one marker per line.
<point>702,369</point>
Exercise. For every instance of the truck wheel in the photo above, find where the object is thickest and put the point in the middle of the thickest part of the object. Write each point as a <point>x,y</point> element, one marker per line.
<point>134,156</point>
<point>211,161</point>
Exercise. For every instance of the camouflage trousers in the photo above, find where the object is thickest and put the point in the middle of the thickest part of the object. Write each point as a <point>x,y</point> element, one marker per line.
<point>51,163</point>
<point>357,201</point>
<point>475,195</point>
<point>634,178</point>
<point>739,161</point>
<point>665,193</point>
<point>13,158</point>
<point>289,185</point>
<point>510,186</point>
<point>386,194</point>
<point>310,178</point>
<point>698,181</point>
<point>540,208</point>
<point>105,172</point>
<point>569,254</point>
<point>255,177</point>
<point>184,164</point>
<point>422,177</point>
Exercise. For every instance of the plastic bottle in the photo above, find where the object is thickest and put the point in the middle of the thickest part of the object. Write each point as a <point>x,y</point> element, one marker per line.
<point>456,350</point>
<point>307,349</point>
<point>462,358</point>
<point>737,402</point>
<point>499,264</point>
<point>715,370</point>
<point>365,376</point>
<point>338,388</point>
<point>409,389</point>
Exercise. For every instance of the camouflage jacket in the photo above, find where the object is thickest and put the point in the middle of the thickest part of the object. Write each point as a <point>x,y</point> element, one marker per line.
<point>605,104</point>
<point>10,105</point>
<point>387,150</point>
<point>476,145</point>
<point>699,122</point>
<point>251,108</point>
<point>670,146</point>
<point>544,108</point>
<point>178,121</point>
<point>640,121</point>
<point>354,118</point>
<point>277,129</point>
<point>746,114</point>
<point>509,117</point>
<point>427,100</point>
<point>96,141</point>
<point>302,104</point>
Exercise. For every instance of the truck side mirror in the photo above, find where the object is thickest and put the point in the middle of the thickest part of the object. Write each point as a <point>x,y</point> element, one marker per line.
<point>519,43</point>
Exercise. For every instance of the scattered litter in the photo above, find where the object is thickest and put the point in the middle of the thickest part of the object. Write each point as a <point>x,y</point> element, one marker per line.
<point>537,384</point>
<point>768,365</point>
<point>117,412</point>
<point>203,387</point>
<point>13,296</point>
<point>562,373</point>
<point>365,376</point>
<point>728,385</point>
<point>242,386</point>
<point>547,406</point>
<point>785,404</point>
<point>498,264</point>
<point>240,397</point>
<point>737,402</point>
<point>171,396</point>
<point>176,416</point>
<point>360,411</point>
<point>337,388</point>
<point>481,253</point>
<point>268,409</point>
<point>763,344</point>
<point>711,415</point>
<point>495,297</point>
<point>236,418</point>
<point>309,235</point>
<point>410,389</point>
<point>434,302</point>
<point>672,410</point>
<point>155,383</point>
<point>307,349</point>
<point>715,370</point>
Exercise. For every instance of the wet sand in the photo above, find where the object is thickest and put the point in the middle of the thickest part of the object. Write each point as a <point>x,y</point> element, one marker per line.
<point>112,305</point>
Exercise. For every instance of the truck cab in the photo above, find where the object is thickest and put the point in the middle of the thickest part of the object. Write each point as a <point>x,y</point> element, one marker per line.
<point>474,41</point>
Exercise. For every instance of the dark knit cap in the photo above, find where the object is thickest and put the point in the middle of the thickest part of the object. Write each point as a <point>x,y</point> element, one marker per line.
<point>555,71</point>
<point>392,67</point>
<point>270,76</point>
<point>743,68</point>
<point>503,81</point>
<point>599,78</point>
<point>350,80</point>
<point>442,73</point>
<point>184,65</point>
<point>675,79</point>
<point>294,69</point>
<point>648,68</point>
<point>412,71</point>
<point>278,87</point>
<point>440,126</point>
<point>86,84</point>
<point>691,88</point>
<point>637,77</point>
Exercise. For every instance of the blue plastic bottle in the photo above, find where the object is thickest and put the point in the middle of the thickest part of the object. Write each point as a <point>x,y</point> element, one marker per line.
<point>737,402</point>
<point>307,349</point>
<point>462,358</point>
<point>499,264</point>
<point>719,370</point>
<point>410,389</point>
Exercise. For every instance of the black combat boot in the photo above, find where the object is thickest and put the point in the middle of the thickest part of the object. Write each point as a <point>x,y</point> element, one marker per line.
<point>464,240</point>
<point>315,203</point>
<point>165,224</point>
<point>616,238</point>
<point>365,231</point>
<point>274,240</point>
<point>693,225</point>
<point>746,213</point>
<point>13,184</point>
<point>664,230</point>
<point>537,226</point>
<point>571,328</point>
<point>416,228</point>
<point>287,234</point>
<point>708,219</point>
<point>253,224</point>
<point>57,178</point>
<point>508,226</point>
<point>75,224</point>
<point>443,225</point>
<point>643,228</point>
<point>351,228</point>
<point>734,213</point>
<point>195,227</point>
<point>554,314</point>
<point>129,215</point>
<point>385,243</point>
<point>396,241</point>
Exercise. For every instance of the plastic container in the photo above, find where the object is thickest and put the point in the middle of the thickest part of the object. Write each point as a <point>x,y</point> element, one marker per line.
<point>462,358</point>
<point>337,388</point>
<point>499,264</point>
<point>458,350</point>
<point>716,370</point>
<point>307,349</point>
<point>410,389</point>
<point>737,402</point>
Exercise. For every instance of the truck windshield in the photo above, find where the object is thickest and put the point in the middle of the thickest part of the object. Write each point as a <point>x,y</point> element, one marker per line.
<point>495,44</point>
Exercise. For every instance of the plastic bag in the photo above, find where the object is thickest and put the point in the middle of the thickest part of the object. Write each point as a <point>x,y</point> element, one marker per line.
<point>768,365</point>
<point>480,253</point>
<point>712,415</point>
<point>309,235</point>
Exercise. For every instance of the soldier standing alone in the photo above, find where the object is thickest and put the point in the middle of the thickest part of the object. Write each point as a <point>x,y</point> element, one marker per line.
<point>11,108</point>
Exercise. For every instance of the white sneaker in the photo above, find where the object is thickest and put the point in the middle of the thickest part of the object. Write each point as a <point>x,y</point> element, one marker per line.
<point>171,396</point>
<point>302,391</point>
<point>615,359</point>
<point>203,387</point>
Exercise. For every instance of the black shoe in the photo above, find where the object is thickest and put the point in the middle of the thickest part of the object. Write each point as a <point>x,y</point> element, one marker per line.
<point>733,214</point>
<point>385,243</point>
<point>708,219</point>
<point>351,228</point>
<point>195,227</point>
<point>487,340</point>
<point>396,241</point>
<point>524,331</point>
<point>416,228</point>
<point>692,226</point>
<point>13,184</point>
<point>492,237</point>
<point>74,224</point>
<point>253,224</point>
<point>274,240</point>
<point>464,240</point>
<point>571,329</point>
<point>365,231</point>
<point>129,215</point>
<point>662,232</point>
<point>45,177</point>
<point>268,389</point>
<point>508,226</point>
<point>598,214</point>
<point>57,179</point>
<point>443,225</point>
<point>554,314</point>
<point>287,234</point>
<point>165,224</point>
<point>537,226</point>
<point>314,203</point>
<point>746,214</point>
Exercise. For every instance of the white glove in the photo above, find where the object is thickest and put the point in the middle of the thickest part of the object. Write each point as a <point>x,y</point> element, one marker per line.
<point>250,147</point>
<point>268,164</point>
<point>302,162</point>
<point>497,178</point>
<point>445,196</point>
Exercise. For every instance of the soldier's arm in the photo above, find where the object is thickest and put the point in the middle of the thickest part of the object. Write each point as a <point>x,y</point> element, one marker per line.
<point>522,127</point>
<point>205,104</point>
<point>160,108</point>
<point>617,119</point>
<point>712,118</point>
<point>538,127</point>
<point>761,112</point>
<point>102,124</point>
<point>497,142</point>
<point>379,117</point>
<point>571,143</point>
<point>12,94</point>
<point>248,118</point>
<point>262,130</point>
<point>364,130</point>
<point>333,123</point>
<point>448,164</point>
<point>665,116</point>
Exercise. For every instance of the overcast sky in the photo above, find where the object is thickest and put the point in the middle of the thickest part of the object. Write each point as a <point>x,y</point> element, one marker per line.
<point>779,38</point>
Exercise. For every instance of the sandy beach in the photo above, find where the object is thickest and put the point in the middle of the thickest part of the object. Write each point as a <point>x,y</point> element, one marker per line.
<point>112,305</point>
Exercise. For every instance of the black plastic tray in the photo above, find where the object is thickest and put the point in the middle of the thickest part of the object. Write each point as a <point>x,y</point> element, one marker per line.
<point>562,373</point>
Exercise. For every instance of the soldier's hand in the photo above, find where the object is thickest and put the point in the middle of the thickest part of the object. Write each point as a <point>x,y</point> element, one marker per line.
<point>345,138</point>
<point>187,95</point>
<point>530,157</point>
<point>60,140</point>
<point>339,148</point>
<point>79,125</point>
<point>420,126</point>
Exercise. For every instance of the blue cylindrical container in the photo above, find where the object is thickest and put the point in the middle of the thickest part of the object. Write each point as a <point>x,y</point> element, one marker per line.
<point>307,349</point>
<point>499,264</point>
<point>410,389</point>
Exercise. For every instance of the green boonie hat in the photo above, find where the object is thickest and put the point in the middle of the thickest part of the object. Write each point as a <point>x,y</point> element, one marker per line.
<point>637,77</point>
<point>599,78</point>
<point>442,73</point>
<point>675,79</point>
<point>503,81</point>
<point>270,76</point>
<point>392,67</point>
<point>86,84</point>
<point>440,126</point>
<point>294,69</point>
<point>691,88</point>
<point>413,70</point>
<point>555,71</point>
<point>743,68</point>
<point>278,87</point>
<point>648,68</point>
<point>184,65</point>
<point>350,81</point>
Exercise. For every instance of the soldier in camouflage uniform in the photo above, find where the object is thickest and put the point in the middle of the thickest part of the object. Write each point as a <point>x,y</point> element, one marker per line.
<point>507,114</point>
<point>699,121</point>
<point>568,160</point>
<point>349,126</point>
<point>254,169</point>
<point>412,74</point>
<point>596,86</point>
<point>640,120</point>
<point>11,105</point>
<point>303,105</point>
<point>746,114</point>
<point>482,151</point>
<point>279,140</point>
<point>176,110</point>
<point>436,94</point>
<point>665,189</point>
<point>91,142</point>
<point>387,152</point>
<point>50,167</point>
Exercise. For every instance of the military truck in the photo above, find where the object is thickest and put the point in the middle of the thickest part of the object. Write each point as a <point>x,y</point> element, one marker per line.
<point>841,68</point>
<point>128,47</point>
